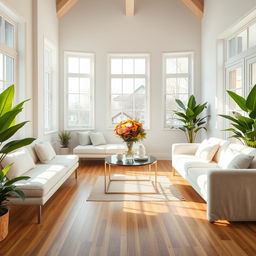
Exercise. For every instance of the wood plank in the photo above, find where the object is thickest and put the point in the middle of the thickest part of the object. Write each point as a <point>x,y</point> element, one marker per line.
<point>129,7</point>
<point>73,226</point>
<point>196,6</point>
<point>63,6</point>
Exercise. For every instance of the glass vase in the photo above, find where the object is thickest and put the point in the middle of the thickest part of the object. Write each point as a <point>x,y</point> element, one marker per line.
<point>129,153</point>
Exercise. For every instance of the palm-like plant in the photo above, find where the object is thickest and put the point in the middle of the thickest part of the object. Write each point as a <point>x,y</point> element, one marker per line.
<point>190,117</point>
<point>64,137</point>
<point>8,128</point>
<point>244,126</point>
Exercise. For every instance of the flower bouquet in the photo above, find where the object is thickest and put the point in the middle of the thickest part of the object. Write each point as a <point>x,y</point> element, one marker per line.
<point>130,131</point>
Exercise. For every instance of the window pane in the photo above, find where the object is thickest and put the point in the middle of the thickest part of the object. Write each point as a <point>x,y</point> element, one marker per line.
<point>117,102</point>
<point>140,116</point>
<point>9,34</point>
<point>128,85</point>
<point>84,85</point>
<point>139,85</point>
<point>73,85</point>
<point>73,65</point>
<point>171,85</point>
<point>182,85</point>
<point>84,101</point>
<point>140,103</point>
<point>232,47</point>
<point>140,66</point>
<point>85,66</point>
<point>1,66</point>
<point>235,79</point>
<point>116,85</point>
<point>253,72</point>
<point>171,66</point>
<point>128,66</point>
<point>73,101</point>
<point>116,66</point>
<point>252,35</point>
<point>9,69</point>
<point>242,41</point>
<point>182,65</point>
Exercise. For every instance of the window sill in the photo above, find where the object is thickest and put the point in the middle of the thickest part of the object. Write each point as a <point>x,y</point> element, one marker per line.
<point>50,132</point>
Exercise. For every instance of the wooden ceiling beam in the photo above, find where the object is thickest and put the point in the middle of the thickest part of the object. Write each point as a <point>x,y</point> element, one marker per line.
<point>129,7</point>
<point>63,6</point>
<point>196,6</point>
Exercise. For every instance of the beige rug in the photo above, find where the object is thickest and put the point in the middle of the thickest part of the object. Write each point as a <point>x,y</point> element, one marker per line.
<point>166,190</point>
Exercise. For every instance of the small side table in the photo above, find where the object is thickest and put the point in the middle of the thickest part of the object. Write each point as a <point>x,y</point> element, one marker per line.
<point>112,160</point>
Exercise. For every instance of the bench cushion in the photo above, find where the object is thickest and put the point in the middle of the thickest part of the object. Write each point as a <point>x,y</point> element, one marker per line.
<point>101,149</point>
<point>65,160</point>
<point>42,178</point>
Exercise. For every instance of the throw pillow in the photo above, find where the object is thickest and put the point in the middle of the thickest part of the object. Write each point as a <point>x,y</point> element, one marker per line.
<point>84,138</point>
<point>235,160</point>
<point>45,152</point>
<point>22,162</point>
<point>97,138</point>
<point>207,150</point>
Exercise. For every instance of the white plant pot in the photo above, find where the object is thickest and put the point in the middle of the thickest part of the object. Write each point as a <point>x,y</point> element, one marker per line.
<point>64,151</point>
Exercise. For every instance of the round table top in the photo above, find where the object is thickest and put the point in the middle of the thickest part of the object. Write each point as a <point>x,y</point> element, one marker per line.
<point>129,162</point>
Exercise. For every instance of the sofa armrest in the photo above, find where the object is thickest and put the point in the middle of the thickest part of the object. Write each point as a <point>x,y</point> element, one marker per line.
<point>184,148</point>
<point>231,195</point>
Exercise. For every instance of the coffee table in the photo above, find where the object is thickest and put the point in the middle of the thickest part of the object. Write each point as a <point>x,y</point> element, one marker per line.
<point>113,161</point>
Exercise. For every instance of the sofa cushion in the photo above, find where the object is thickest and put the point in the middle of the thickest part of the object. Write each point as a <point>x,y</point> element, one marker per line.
<point>115,148</point>
<point>45,152</point>
<point>84,138</point>
<point>32,151</point>
<point>101,149</point>
<point>22,162</point>
<point>65,160</point>
<point>223,145</point>
<point>89,149</point>
<point>207,150</point>
<point>97,138</point>
<point>42,178</point>
<point>184,162</point>
<point>232,159</point>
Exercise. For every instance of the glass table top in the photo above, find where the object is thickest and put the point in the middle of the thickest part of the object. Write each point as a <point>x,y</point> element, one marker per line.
<point>129,162</point>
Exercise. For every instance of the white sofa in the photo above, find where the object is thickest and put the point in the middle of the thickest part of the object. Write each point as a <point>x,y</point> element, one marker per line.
<point>100,151</point>
<point>230,193</point>
<point>45,179</point>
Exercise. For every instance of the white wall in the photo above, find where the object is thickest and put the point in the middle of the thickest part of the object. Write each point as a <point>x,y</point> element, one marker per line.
<point>46,26</point>
<point>158,26</point>
<point>219,16</point>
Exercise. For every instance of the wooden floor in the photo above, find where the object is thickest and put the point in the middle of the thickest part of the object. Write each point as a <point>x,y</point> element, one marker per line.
<point>71,226</point>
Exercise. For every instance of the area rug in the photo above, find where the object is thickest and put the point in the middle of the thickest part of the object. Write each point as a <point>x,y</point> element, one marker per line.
<point>166,190</point>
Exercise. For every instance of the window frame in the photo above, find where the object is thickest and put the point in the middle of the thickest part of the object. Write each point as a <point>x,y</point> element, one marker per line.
<point>10,51</point>
<point>90,55</point>
<point>54,88</point>
<point>191,77</point>
<point>147,57</point>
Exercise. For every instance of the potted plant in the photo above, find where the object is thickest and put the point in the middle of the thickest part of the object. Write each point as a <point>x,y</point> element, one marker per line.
<point>190,118</point>
<point>244,125</point>
<point>64,137</point>
<point>8,128</point>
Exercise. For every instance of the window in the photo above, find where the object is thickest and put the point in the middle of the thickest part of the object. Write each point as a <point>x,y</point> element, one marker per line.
<point>234,83</point>
<point>50,88</point>
<point>129,87</point>
<point>8,52</point>
<point>178,83</point>
<point>79,80</point>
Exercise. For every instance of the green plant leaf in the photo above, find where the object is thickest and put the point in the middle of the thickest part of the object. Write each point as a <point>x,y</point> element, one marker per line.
<point>6,98</point>
<point>251,99</point>
<point>6,120</point>
<point>252,114</point>
<point>4,171</point>
<point>13,145</point>
<point>181,115</point>
<point>191,102</point>
<point>8,133</point>
<point>199,109</point>
<point>189,112</point>
<point>181,104</point>
<point>12,181</point>
<point>240,101</point>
